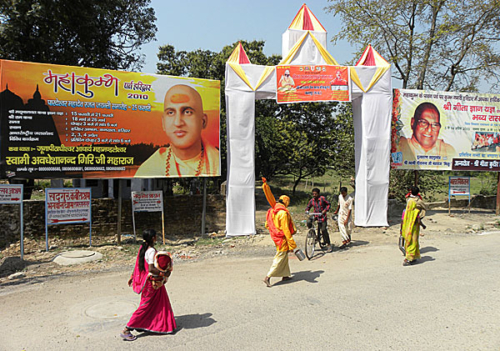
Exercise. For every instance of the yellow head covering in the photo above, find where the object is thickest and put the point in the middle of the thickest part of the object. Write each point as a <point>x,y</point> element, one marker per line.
<point>285,199</point>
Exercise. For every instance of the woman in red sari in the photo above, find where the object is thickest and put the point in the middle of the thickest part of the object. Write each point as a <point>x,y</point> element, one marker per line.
<point>155,312</point>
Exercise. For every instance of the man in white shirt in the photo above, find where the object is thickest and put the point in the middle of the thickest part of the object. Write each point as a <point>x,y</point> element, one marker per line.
<point>345,220</point>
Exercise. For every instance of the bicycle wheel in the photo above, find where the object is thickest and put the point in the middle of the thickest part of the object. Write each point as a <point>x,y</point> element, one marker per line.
<point>310,243</point>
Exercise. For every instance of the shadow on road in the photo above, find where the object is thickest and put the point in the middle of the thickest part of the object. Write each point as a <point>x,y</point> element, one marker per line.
<point>428,249</point>
<point>308,276</point>
<point>424,259</point>
<point>15,264</point>
<point>356,243</point>
<point>193,321</point>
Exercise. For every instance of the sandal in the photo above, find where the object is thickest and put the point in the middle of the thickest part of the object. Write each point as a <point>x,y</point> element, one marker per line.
<point>286,278</point>
<point>267,281</point>
<point>128,336</point>
<point>406,263</point>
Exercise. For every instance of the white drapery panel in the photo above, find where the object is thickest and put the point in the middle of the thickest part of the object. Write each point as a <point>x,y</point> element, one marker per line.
<point>291,36</point>
<point>372,139</point>
<point>240,110</point>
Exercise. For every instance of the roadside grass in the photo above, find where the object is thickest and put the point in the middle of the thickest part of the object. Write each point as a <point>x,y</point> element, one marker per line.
<point>209,241</point>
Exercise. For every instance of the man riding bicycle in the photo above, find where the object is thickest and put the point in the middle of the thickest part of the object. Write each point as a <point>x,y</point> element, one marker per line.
<point>320,205</point>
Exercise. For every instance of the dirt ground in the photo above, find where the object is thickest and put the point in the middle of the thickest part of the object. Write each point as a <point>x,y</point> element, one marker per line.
<point>38,264</point>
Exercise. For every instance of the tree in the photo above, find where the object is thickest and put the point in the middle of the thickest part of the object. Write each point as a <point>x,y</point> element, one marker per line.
<point>317,136</point>
<point>100,34</point>
<point>433,44</point>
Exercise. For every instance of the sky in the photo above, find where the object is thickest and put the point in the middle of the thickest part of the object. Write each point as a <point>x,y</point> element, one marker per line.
<point>212,24</point>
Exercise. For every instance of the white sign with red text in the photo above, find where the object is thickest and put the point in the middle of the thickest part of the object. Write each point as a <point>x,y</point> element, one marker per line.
<point>11,193</point>
<point>147,201</point>
<point>67,205</point>
<point>460,186</point>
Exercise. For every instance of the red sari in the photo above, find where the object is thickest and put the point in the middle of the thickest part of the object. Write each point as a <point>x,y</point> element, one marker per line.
<point>155,312</point>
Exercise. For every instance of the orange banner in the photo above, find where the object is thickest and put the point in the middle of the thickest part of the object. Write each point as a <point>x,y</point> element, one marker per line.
<point>77,122</point>
<point>312,83</point>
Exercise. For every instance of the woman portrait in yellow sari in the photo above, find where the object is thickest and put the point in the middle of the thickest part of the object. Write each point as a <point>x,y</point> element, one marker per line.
<point>414,213</point>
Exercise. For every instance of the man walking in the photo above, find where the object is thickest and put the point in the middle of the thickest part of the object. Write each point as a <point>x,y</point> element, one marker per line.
<point>345,222</point>
<point>281,227</point>
<point>319,205</point>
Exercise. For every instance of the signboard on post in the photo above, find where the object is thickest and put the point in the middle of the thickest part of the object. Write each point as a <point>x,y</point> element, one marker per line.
<point>148,201</point>
<point>306,83</point>
<point>77,122</point>
<point>458,186</point>
<point>11,194</point>
<point>441,130</point>
<point>67,205</point>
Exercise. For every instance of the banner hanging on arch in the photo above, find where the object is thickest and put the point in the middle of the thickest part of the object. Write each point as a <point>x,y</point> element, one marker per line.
<point>308,83</point>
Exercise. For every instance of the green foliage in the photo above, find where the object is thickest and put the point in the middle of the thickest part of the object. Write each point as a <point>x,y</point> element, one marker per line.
<point>102,34</point>
<point>488,183</point>
<point>437,45</point>
<point>432,184</point>
<point>41,184</point>
<point>315,137</point>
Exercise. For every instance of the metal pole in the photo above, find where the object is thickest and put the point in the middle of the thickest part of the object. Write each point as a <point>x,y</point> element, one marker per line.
<point>119,226</point>
<point>22,229</point>
<point>90,222</point>
<point>497,210</point>
<point>204,211</point>
<point>163,226</point>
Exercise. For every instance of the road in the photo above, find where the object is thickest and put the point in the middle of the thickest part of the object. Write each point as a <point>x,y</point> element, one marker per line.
<point>358,299</point>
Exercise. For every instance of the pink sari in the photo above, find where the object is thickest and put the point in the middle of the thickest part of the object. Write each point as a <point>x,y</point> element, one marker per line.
<point>155,312</point>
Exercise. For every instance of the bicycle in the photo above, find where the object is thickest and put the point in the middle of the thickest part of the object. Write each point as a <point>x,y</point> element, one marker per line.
<point>314,236</point>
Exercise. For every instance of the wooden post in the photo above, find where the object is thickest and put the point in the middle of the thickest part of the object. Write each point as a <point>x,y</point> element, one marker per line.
<point>204,209</point>
<point>416,177</point>
<point>497,210</point>
<point>119,226</point>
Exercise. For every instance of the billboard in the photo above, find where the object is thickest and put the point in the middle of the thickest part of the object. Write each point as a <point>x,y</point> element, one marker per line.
<point>306,83</point>
<point>435,130</point>
<point>77,122</point>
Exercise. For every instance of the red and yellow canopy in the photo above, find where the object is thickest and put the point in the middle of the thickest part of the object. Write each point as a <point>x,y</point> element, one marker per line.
<point>305,20</point>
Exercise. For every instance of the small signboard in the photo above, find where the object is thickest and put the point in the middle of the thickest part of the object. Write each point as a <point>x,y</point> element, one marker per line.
<point>458,186</point>
<point>67,205</point>
<point>148,201</point>
<point>12,194</point>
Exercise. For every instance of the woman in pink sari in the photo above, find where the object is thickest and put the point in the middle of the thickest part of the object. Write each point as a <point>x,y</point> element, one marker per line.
<point>155,312</point>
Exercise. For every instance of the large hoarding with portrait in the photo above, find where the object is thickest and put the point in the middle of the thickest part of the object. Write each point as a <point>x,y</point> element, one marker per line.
<point>76,122</point>
<point>435,130</point>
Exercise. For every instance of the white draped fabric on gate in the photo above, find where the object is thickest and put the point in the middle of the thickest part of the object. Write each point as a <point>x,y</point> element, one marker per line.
<point>371,101</point>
